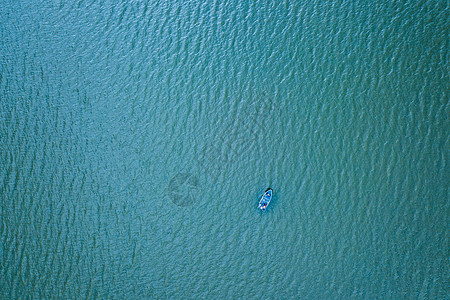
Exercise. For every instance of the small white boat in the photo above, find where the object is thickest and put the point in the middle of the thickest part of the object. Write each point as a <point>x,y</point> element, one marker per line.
<point>265,199</point>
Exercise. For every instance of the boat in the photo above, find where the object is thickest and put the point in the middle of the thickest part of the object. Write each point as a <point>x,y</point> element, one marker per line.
<point>265,199</point>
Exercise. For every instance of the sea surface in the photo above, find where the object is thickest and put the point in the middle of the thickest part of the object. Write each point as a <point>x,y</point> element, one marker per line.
<point>137,136</point>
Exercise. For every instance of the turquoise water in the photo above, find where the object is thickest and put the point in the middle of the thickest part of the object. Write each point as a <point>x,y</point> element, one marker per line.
<point>136,137</point>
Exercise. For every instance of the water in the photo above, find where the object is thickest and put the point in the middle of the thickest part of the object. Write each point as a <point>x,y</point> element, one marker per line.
<point>136,137</point>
